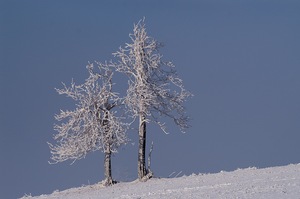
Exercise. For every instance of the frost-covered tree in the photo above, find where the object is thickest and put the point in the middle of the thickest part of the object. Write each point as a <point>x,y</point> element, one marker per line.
<point>93,125</point>
<point>154,88</point>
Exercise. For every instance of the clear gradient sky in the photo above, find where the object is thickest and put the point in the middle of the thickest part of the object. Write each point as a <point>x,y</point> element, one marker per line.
<point>241,59</point>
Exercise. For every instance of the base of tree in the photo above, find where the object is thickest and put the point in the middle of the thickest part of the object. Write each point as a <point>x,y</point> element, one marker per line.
<point>109,182</point>
<point>147,177</point>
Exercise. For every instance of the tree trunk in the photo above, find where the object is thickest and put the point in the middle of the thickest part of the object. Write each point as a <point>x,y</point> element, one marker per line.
<point>107,159</point>
<point>107,167</point>
<point>142,171</point>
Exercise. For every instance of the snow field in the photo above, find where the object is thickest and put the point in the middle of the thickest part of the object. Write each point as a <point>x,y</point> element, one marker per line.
<point>275,182</point>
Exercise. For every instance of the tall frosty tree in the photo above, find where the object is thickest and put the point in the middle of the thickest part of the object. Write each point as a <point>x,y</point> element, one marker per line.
<point>93,125</point>
<point>154,88</point>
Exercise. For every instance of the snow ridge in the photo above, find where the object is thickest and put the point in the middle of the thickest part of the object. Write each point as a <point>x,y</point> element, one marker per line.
<point>274,182</point>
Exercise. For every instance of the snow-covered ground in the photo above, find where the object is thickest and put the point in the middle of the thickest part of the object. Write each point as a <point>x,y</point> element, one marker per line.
<point>276,182</point>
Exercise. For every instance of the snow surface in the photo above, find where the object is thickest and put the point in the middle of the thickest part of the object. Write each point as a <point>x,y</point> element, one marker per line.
<point>275,182</point>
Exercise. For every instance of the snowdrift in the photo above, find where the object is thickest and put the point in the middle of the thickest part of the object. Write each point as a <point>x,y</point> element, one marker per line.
<point>275,182</point>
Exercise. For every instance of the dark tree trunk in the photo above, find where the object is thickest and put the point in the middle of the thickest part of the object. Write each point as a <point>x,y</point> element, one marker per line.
<point>107,159</point>
<point>142,171</point>
<point>107,166</point>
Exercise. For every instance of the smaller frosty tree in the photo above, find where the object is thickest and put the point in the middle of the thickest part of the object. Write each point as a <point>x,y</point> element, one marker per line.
<point>154,88</point>
<point>93,125</point>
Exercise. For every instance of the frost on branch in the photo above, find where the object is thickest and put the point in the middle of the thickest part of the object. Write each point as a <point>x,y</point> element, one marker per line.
<point>93,125</point>
<point>155,89</point>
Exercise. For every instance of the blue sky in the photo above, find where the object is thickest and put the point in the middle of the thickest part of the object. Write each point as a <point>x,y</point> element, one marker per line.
<point>239,58</point>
